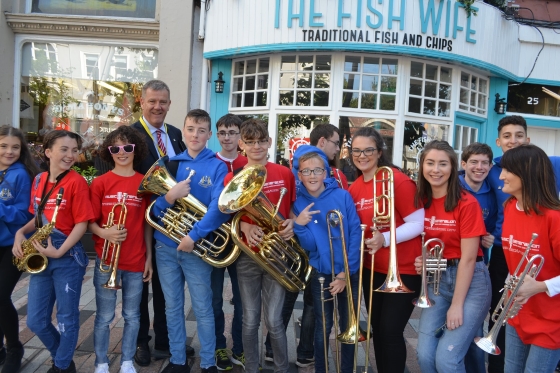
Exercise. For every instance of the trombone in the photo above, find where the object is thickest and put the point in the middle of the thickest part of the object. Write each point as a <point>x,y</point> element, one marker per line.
<point>115,249</point>
<point>432,266</point>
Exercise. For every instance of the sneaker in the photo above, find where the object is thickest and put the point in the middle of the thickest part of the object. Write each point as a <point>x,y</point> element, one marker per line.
<point>127,367</point>
<point>102,368</point>
<point>222,360</point>
<point>302,363</point>
<point>211,369</point>
<point>176,368</point>
<point>2,355</point>
<point>13,359</point>
<point>71,369</point>
<point>268,356</point>
<point>238,359</point>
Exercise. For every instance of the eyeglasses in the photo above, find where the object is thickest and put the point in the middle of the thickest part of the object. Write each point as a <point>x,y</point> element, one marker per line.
<point>316,171</point>
<point>230,133</point>
<point>115,149</point>
<point>440,331</point>
<point>367,152</point>
<point>255,142</point>
<point>336,143</point>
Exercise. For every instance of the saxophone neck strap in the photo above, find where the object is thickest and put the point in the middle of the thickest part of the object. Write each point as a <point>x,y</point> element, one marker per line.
<point>45,197</point>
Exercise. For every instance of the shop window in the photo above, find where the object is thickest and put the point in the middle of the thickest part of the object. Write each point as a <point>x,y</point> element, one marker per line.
<point>305,80</point>
<point>120,67</point>
<point>293,131</point>
<point>90,63</point>
<point>250,83</point>
<point>535,99</point>
<point>464,136</point>
<point>430,89</point>
<point>104,8</point>
<point>370,83</point>
<point>45,54</point>
<point>416,136</point>
<point>473,95</point>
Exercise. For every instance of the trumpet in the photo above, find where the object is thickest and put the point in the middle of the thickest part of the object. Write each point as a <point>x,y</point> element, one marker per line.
<point>507,307</point>
<point>115,249</point>
<point>432,266</point>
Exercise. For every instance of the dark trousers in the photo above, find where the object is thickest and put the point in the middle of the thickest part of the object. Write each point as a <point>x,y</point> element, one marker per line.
<point>9,321</point>
<point>498,271</point>
<point>160,321</point>
<point>389,315</point>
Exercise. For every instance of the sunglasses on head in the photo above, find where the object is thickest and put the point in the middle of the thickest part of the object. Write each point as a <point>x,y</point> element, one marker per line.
<point>115,149</point>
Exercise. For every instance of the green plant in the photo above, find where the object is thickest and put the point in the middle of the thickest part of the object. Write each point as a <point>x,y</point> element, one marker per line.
<point>468,7</point>
<point>88,173</point>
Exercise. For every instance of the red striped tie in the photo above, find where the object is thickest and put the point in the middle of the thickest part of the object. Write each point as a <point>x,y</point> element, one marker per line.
<point>160,143</point>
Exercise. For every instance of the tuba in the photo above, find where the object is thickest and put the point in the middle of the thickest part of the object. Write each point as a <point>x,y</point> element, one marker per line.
<point>284,260</point>
<point>115,249</point>
<point>432,266</point>
<point>32,260</point>
<point>507,307</point>
<point>179,219</point>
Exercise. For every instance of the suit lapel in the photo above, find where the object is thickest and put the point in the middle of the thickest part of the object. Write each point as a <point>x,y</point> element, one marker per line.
<point>149,141</point>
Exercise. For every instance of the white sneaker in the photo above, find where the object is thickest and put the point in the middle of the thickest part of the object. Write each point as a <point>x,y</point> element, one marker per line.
<point>102,368</point>
<point>127,367</point>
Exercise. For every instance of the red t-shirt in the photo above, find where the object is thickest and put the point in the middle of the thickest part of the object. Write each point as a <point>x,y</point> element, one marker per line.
<point>407,251</point>
<point>538,321</point>
<point>340,177</point>
<point>237,163</point>
<point>465,221</point>
<point>105,192</point>
<point>75,206</point>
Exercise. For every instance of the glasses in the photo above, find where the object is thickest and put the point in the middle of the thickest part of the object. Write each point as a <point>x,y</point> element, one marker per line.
<point>336,143</point>
<point>115,149</point>
<point>440,331</point>
<point>316,171</point>
<point>255,142</point>
<point>230,133</point>
<point>367,152</point>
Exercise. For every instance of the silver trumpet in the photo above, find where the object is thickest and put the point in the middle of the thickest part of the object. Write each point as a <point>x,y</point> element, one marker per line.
<point>432,266</point>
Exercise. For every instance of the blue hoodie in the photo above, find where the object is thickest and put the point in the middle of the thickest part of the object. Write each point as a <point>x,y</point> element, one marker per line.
<point>301,151</point>
<point>15,193</point>
<point>206,185</point>
<point>314,237</point>
<point>486,199</point>
<point>496,184</point>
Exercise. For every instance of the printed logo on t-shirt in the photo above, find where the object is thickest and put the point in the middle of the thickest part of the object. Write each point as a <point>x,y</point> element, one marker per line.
<point>441,224</point>
<point>273,186</point>
<point>131,200</point>
<point>364,204</point>
<point>6,194</point>
<point>518,246</point>
<point>205,182</point>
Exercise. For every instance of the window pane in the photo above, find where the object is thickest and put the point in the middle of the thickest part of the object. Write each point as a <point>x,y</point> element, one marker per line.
<point>466,141</point>
<point>473,135</point>
<point>323,63</point>
<point>414,104</point>
<point>249,99</point>
<point>457,142</point>
<point>429,107</point>
<point>416,69</point>
<point>263,65</point>
<point>430,89</point>
<point>352,63</point>
<point>237,84</point>
<point>371,65</point>
<point>445,74</point>
<point>415,87</point>
<point>389,66</point>
<point>351,81</point>
<point>287,80</point>
<point>431,72</point>
<point>473,98</point>
<point>114,8</point>
<point>350,99</point>
<point>464,96</point>
<point>303,98</point>
<point>249,82</point>
<point>305,63</point>
<point>251,67</point>
<point>303,80</point>
<point>369,82</point>
<point>387,102</point>
<point>236,99</point>
<point>321,98</point>
<point>261,98</point>
<point>443,109</point>
<point>322,80</point>
<point>482,102</point>
<point>465,80</point>
<point>388,84</point>
<point>288,63</point>
<point>239,68</point>
<point>369,101</point>
<point>482,85</point>
<point>445,92</point>
<point>262,82</point>
<point>286,98</point>
<point>473,83</point>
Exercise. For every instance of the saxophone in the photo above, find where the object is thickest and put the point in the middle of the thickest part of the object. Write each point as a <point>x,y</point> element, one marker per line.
<point>32,260</point>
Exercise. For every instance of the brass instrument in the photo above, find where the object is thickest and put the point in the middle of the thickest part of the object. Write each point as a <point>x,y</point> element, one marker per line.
<point>507,307</point>
<point>285,260</point>
<point>32,260</point>
<point>432,266</point>
<point>115,249</point>
<point>384,216</point>
<point>179,219</point>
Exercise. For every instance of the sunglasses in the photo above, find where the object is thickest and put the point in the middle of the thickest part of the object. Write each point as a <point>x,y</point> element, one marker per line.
<point>115,149</point>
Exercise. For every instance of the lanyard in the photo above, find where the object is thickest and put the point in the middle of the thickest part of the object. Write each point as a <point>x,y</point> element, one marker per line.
<point>152,137</point>
<point>45,197</point>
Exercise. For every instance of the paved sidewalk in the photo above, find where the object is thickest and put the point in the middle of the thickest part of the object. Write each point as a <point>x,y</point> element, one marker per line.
<point>37,359</point>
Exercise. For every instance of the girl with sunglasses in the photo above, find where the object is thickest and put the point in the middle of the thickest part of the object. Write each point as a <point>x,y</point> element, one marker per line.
<point>123,148</point>
<point>533,336</point>
<point>390,312</point>
<point>454,216</point>
<point>17,169</point>
<point>61,281</point>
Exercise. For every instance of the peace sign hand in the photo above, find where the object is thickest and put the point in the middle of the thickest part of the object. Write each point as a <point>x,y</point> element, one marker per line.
<point>306,216</point>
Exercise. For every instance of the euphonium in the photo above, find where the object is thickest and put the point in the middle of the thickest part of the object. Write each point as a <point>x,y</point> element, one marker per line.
<point>432,266</point>
<point>507,307</point>
<point>179,219</point>
<point>284,260</point>
<point>32,260</point>
<point>115,249</point>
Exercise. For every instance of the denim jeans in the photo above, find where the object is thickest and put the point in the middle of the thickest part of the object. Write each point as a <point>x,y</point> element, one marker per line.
<point>259,290</point>
<point>523,358</point>
<point>174,268</point>
<point>447,354</point>
<point>106,302</point>
<point>61,281</point>
<point>346,350</point>
<point>218,307</point>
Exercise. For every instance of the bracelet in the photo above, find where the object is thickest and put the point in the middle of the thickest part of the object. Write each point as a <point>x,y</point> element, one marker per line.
<point>340,278</point>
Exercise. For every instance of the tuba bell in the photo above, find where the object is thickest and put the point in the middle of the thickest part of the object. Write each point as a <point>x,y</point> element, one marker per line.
<point>286,261</point>
<point>179,219</point>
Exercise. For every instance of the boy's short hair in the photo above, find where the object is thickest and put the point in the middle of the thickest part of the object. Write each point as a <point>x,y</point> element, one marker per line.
<point>307,156</point>
<point>254,129</point>
<point>199,115</point>
<point>477,148</point>
<point>229,120</point>
<point>325,130</point>
<point>512,119</point>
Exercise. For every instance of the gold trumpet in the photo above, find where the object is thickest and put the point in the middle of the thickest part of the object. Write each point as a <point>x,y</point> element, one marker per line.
<point>432,266</point>
<point>115,249</point>
<point>285,260</point>
<point>507,307</point>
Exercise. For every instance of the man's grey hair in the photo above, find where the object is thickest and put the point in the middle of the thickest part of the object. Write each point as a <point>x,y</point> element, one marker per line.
<point>155,85</point>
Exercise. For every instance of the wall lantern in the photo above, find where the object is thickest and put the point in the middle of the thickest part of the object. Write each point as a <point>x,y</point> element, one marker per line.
<point>500,105</point>
<point>220,83</point>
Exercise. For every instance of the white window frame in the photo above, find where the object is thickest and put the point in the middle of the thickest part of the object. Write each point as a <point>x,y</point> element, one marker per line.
<point>473,109</point>
<point>255,91</point>
<point>114,67</point>
<point>422,97</point>
<point>459,137</point>
<point>83,58</point>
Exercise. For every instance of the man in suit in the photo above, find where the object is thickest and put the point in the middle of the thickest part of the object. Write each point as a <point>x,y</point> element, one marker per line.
<point>162,139</point>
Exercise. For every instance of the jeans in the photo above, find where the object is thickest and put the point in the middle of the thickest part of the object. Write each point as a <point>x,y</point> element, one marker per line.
<point>305,346</point>
<point>61,281</point>
<point>259,290</point>
<point>106,301</point>
<point>218,304</point>
<point>9,320</point>
<point>498,271</point>
<point>174,268</point>
<point>346,350</point>
<point>522,358</point>
<point>446,354</point>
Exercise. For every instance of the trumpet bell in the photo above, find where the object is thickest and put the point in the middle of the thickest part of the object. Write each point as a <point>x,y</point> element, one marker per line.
<point>486,344</point>
<point>423,301</point>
